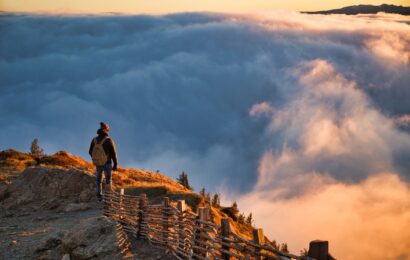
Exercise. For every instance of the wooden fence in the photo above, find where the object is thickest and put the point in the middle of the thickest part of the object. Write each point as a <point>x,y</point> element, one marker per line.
<point>188,235</point>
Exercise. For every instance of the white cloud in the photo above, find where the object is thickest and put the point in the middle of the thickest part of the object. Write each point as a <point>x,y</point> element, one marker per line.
<point>402,120</point>
<point>260,109</point>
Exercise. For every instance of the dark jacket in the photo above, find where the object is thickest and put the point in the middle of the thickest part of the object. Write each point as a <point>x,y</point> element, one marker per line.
<point>108,145</point>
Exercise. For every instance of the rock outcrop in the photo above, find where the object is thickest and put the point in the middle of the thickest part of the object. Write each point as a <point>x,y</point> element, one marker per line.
<point>50,212</point>
<point>93,238</point>
<point>37,184</point>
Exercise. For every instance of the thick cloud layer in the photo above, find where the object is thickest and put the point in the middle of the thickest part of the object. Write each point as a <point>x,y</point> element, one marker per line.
<point>292,110</point>
<point>309,187</point>
<point>366,220</point>
<point>328,128</point>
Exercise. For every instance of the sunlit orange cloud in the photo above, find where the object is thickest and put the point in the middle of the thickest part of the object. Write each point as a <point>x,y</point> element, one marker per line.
<point>368,220</point>
<point>403,120</point>
<point>166,6</point>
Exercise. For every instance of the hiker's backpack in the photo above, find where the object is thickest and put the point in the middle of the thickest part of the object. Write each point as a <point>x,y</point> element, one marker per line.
<point>98,155</point>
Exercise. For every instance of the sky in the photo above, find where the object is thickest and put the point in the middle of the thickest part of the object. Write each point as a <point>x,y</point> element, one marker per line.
<point>166,6</point>
<point>304,120</point>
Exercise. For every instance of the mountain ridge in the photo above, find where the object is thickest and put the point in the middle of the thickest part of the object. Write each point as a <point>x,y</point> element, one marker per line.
<point>366,9</point>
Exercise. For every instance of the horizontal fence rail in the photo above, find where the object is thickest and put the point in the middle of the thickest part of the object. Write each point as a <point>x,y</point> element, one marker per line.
<point>183,233</point>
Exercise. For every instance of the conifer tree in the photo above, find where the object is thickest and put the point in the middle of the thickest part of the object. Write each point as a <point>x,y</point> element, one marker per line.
<point>208,198</point>
<point>249,219</point>
<point>284,248</point>
<point>202,192</point>
<point>215,201</point>
<point>35,150</point>
<point>235,208</point>
<point>275,244</point>
<point>241,218</point>
<point>183,180</point>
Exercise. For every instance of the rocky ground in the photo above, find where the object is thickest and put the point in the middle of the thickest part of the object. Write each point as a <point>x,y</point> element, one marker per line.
<point>51,213</point>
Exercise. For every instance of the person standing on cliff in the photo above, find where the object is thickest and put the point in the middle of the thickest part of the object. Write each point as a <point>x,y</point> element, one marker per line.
<point>103,154</point>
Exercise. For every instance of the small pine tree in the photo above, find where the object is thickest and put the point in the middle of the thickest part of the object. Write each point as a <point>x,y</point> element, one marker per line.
<point>241,218</point>
<point>235,208</point>
<point>235,205</point>
<point>202,192</point>
<point>275,244</point>
<point>215,201</point>
<point>35,150</point>
<point>284,248</point>
<point>208,198</point>
<point>183,180</point>
<point>249,219</point>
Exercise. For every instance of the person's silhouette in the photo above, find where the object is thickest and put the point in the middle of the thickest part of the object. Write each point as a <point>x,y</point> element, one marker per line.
<point>103,154</point>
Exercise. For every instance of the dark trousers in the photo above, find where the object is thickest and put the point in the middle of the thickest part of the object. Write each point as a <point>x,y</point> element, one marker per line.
<point>107,171</point>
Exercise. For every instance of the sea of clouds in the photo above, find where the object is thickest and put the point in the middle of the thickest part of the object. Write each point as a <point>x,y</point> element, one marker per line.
<point>303,119</point>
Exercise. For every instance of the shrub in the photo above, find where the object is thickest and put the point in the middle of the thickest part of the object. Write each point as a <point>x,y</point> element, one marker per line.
<point>127,181</point>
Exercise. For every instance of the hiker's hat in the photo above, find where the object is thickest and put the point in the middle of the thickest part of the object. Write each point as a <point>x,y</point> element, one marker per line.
<point>105,126</point>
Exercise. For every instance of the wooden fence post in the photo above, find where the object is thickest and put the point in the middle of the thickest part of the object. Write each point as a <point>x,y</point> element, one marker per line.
<point>181,205</point>
<point>121,206</point>
<point>207,213</point>
<point>166,220</point>
<point>202,214</point>
<point>198,232</point>
<point>180,243</point>
<point>226,230</point>
<point>319,249</point>
<point>202,217</point>
<point>142,207</point>
<point>259,239</point>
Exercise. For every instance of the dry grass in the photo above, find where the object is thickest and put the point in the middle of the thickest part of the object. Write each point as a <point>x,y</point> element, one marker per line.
<point>134,181</point>
<point>150,191</point>
<point>65,159</point>
<point>13,154</point>
<point>12,161</point>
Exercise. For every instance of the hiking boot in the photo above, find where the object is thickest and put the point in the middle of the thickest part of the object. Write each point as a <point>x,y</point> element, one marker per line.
<point>100,198</point>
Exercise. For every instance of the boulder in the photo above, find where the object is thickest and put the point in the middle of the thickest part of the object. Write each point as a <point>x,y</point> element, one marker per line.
<point>44,183</point>
<point>87,195</point>
<point>76,207</point>
<point>50,242</point>
<point>94,237</point>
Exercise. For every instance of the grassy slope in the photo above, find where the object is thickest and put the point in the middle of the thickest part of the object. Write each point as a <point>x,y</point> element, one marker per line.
<point>134,181</point>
